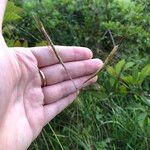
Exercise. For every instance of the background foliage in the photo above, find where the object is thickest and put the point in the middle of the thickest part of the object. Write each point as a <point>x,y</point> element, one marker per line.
<point>115,112</point>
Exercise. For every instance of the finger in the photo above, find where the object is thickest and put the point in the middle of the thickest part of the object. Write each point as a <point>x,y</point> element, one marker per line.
<point>46,57</point>
<point>58,91</point>
<point>50,111</point>
<point>56,73</point>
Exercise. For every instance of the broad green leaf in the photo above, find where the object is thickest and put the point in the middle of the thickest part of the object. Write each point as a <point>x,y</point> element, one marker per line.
<point>123,89</point>
<point>128,79</point>
<point>10,43</point>
<point>141,119</point>
<point>21,43</point>
<point>12,12</point>
<point>17,44</point>
<point>112,81</point>
<point>146,100</point>
<point>119,66</point>
<point>128,65</point>
<point>143,74</point>
<point>111,71</point>
<point>125,4</point>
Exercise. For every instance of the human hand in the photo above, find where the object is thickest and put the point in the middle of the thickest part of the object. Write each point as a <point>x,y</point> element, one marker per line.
<point>25,107</point>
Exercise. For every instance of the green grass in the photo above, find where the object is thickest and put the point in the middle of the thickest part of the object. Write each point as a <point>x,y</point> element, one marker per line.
<point>101,118</point>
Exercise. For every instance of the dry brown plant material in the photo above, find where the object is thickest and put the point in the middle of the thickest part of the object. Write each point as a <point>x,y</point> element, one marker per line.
<point>106,62</point>
<point>51,46</point>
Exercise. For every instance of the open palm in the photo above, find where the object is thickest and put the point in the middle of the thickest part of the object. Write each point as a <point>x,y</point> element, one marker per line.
<point>25,107</point>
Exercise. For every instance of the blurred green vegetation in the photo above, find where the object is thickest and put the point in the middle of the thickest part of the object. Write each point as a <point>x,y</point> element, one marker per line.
<point>115,112</point>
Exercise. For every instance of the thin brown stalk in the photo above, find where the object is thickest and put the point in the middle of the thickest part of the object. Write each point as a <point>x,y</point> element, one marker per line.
<point>50,45</point>
<point>106,62</point>
<point>108,59</point>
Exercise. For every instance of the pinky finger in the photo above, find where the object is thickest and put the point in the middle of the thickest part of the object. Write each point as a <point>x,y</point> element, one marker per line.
<point>51,110</point>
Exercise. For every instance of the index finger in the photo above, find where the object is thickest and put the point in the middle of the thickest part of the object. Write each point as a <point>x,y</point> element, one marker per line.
<point>46,57</point>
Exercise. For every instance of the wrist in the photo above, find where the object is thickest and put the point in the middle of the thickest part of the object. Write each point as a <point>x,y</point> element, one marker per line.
<point>10,142</point>
<point>11,136</point>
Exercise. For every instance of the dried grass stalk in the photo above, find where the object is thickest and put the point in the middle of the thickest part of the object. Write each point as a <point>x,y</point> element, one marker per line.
<point>106,62</point>
<point>51,46</point>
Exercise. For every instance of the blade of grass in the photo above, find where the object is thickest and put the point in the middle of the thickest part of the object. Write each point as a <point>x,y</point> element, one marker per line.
<point>36,147</point>
<point>48,139</point>
<point>45,141</point>
<point>56,137</point>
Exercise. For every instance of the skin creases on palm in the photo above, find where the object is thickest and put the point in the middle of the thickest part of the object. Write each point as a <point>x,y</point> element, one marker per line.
<point>22,97</point>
